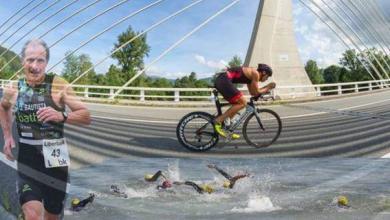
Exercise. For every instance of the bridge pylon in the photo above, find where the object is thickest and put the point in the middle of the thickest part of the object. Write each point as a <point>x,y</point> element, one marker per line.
<point>273,42</point>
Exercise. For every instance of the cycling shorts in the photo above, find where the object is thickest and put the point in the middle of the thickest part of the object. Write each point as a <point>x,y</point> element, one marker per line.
<point>225,86</point>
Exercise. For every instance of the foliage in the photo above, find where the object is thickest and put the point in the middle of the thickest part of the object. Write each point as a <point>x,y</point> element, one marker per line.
<point>314,72</point>
<point>235,61</point>
<point>75,65</point>
<point>12,67</point>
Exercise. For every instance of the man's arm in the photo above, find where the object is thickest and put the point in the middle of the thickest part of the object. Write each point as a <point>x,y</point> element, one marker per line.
<point>253,87</point>
<point>267,88</point>
<point>6,104</point>
<point>222,172</point>
<point>79,114</point>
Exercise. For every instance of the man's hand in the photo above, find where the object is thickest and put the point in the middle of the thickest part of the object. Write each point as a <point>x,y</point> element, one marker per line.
<point>9,143</point>
<point>49,114</point>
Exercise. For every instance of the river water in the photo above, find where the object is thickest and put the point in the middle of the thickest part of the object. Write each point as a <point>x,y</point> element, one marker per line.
<point>277,189</point>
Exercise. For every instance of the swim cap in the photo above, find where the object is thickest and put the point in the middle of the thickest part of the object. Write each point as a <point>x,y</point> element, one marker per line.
<point>75,201</point>
<point>166,184</point>
<point>148,177</point>
<point>226,184</point>
<point>207,188</point>
<point>342,201</point>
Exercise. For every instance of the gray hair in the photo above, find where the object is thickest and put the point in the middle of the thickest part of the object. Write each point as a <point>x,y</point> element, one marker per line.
<point>38,41</point>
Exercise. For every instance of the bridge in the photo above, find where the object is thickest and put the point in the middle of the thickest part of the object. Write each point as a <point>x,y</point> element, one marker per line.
<point>341,120</point>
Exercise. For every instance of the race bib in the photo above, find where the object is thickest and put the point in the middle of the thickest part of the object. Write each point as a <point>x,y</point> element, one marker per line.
<point>56,153</point>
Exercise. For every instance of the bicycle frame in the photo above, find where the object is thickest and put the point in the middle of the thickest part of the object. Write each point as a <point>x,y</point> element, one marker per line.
<point>249,109</point>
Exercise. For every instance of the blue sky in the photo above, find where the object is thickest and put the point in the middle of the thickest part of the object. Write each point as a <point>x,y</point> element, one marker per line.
<point>204,52</point>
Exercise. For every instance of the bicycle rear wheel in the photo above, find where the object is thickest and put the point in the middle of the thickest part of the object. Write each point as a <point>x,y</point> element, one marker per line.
<point>262,132</point>
<point>195,131</point>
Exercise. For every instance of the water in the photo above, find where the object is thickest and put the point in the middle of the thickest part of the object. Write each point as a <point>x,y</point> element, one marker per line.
<point>277,189</point>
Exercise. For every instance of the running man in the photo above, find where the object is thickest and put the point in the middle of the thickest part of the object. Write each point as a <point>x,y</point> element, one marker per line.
<point>224,83</point>
<point>231,179</point>
<point>39,101</point>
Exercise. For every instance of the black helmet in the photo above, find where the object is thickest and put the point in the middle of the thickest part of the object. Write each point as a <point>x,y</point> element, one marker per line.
<point>264,67</point>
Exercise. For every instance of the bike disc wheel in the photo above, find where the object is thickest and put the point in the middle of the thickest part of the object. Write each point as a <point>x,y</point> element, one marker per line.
<point>195,131</point>
<point>262,136</point>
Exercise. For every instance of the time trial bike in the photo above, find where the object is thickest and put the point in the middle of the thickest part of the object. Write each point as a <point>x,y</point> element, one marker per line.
<point>261,127</point>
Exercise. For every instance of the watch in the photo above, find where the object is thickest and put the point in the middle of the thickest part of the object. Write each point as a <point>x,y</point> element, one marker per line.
<point>65,115</point>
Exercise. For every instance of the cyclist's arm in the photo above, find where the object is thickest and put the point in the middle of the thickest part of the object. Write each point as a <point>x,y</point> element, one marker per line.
<point>267,88</point>
<point>253,87</point>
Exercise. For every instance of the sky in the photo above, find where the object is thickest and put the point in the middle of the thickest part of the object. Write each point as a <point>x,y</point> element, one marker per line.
<point>204,52</point>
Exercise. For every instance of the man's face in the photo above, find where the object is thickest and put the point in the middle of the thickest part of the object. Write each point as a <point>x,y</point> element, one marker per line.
<point>264,76</point>
<point>35,63</point>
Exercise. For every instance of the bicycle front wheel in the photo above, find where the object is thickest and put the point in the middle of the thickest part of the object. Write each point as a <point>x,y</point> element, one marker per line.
<point>195,131</point>
<point>264,130</point>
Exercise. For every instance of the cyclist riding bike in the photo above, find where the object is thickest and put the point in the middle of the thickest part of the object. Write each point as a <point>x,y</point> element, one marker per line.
<point>224,83</point>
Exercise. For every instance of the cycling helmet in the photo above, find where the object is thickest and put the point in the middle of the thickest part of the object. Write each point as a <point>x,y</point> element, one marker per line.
<point>264,67</point>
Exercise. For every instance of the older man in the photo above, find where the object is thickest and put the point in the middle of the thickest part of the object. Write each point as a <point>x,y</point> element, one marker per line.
<point>39,101</point>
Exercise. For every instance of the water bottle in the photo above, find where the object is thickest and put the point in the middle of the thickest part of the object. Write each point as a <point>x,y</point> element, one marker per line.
<point>227,122</point>
<point>236,118</point>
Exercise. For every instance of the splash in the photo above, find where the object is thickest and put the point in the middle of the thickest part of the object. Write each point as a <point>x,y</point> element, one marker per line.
<point>173,170</point>
<point>142,193</point>
<point>257,204</point>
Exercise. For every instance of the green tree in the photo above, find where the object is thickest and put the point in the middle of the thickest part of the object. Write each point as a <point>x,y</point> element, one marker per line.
<point>332,74</point>
<point>11,67</point>
<point>314,72</point>
<point>235,61</point>
<point>75,65</point>
<point>130,58</point>
<point>114,76</point>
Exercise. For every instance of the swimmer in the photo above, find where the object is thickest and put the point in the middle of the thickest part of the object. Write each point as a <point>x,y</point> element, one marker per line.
<point>77,205</point>
<point>117,191</point>
<point>342,202</point>
<point>154,177</point>
<point>231,180</point>
<point>199,188</point>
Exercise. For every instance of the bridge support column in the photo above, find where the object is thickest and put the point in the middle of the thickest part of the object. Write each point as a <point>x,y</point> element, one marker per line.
<point>273,42</point>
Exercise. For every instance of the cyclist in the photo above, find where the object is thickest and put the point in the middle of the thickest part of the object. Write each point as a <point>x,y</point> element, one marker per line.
<point>231,180</point>
<point>224,83</point>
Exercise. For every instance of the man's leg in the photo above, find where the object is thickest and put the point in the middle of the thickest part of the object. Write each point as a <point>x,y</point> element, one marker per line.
<point>240,104</point>
<point>32,210</point>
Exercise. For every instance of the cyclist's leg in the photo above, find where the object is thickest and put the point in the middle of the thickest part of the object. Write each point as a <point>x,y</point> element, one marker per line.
<point>231,94</point>
<point>239,104</point>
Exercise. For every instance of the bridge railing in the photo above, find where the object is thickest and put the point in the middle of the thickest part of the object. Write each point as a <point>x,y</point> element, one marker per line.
<point>202,94</point>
